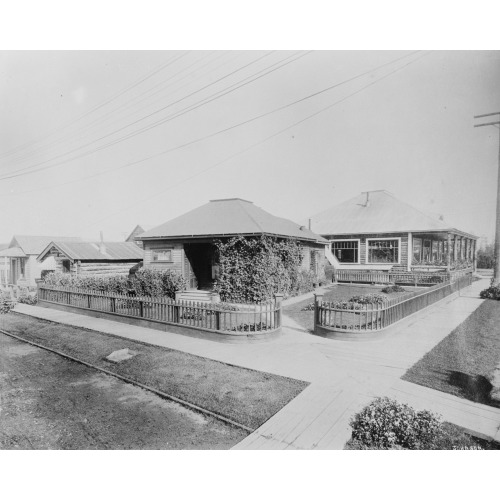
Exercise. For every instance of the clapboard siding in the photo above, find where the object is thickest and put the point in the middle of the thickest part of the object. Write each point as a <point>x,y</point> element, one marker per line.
<point>177,255</point>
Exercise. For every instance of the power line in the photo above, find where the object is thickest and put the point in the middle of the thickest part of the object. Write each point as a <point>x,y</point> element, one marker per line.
<point>173,186</point>
<point>32,168</point>
<point>99,106</point>
<point>234,126</point>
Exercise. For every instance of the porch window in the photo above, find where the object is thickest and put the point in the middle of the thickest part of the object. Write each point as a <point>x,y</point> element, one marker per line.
<point>417,250</point>
<point>161,255</point>
<point>426,251</point>
<point>346,251</point>
<point>435,250</point>
<point>383,251</point>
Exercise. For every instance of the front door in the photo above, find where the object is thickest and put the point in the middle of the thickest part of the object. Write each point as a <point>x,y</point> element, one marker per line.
<point>198,264</point>
<point>13,271</point>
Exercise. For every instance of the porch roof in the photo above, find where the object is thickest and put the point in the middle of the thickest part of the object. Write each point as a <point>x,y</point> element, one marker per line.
<point>230,217</point>
<point>376,212</point>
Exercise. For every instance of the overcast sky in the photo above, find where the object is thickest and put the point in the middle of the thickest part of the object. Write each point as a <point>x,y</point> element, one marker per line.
<point>99,140</point>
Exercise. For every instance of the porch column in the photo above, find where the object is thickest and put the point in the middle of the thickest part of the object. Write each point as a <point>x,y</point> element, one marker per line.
<point>455,245</point>
<point>409,257</point>
<point>474,256</point>
<point>448,252</point>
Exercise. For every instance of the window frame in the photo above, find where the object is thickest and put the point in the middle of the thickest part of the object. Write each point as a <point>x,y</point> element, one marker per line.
<point>367,256</point>
<point>358,240</point>
<point>156,251</point>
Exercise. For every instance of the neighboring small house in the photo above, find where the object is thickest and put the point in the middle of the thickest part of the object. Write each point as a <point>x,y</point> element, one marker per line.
<point>83,257</point>
<point>138,230</point>
<point>186,243</point>
<point>376,231</point>
<point>21,255</point>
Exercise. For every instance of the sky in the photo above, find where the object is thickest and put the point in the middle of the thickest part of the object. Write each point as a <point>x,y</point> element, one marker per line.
<point>102,140</point>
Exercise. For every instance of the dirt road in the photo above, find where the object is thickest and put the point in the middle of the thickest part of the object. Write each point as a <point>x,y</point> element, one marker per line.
<point>48,402</point>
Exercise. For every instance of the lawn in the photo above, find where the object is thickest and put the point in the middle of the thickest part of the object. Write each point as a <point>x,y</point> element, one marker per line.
<point>336,293</point>
<point>245,396</point>
<point>460,363</point>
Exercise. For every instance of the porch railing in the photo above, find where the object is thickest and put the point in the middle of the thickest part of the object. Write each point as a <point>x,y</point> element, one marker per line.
<point>415,278</point>
<point>374,317</point>
<point>216,317</point>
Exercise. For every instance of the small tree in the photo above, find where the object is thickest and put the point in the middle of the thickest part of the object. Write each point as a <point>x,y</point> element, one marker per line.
<point>486,257</point>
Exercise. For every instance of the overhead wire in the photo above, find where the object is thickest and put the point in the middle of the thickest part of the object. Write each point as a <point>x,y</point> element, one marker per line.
<point>266,139</point>
<point>234,126</point>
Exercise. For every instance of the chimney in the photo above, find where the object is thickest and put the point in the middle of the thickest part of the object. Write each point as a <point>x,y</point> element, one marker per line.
<point>309,225</point>
<point>102,247</point>
<point>367,201</point>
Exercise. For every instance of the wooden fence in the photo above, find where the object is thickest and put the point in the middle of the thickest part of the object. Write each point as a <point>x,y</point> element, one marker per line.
<point>374,317</point>
<point>416,278</point>
<point>214,317</point>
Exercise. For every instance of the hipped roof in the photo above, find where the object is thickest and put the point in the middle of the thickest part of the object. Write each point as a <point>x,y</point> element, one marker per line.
<point>229,217</point>
<point>33,245</point>
<point>12,252</point>
<point>376,212</point>
<point>84,250</point>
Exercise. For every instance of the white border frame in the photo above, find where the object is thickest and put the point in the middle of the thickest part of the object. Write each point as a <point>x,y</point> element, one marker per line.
<point>383,239</point>
<point>359,250</point>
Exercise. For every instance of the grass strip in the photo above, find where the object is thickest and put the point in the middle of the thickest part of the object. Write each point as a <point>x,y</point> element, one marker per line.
<point>461,362</point>
<point>245,396</point>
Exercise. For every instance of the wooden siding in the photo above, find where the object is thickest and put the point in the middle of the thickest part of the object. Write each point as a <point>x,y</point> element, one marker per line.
<point>177,255</point>
<point>403,250</point>
<point>103,268</point>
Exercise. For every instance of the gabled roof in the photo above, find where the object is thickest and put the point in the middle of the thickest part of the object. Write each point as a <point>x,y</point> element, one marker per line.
<point>33,245</point>
<point>377,212</point>
<point>85,250</point>
<point>229,217</point>
<point>139,229</point>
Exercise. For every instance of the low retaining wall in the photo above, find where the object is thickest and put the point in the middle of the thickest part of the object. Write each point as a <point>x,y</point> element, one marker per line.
<point>190,331</point>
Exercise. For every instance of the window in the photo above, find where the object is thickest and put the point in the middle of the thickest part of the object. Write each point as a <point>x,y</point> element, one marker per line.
<point>313,266</point>
<point>66,266</point>
<point>426,252</point>
<point>161,255</point>
<point>435,250</point>
<point>383,251</point>
<point>417,250</point>
<point>346,250</point>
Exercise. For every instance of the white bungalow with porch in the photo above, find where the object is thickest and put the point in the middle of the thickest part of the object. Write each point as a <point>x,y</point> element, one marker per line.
<point>377,233</point>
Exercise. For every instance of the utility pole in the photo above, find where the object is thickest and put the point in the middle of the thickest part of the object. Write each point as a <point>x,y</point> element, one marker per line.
<point>496,267</point>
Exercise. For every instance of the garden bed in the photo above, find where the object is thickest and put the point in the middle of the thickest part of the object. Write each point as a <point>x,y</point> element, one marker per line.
<point>245,396</point>
<point>460,363</point>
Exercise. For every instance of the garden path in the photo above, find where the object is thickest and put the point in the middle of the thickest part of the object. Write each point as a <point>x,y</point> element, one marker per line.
<point>344,375</point>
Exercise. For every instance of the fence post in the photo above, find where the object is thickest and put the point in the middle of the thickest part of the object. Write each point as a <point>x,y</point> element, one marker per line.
<point>141,308</point>
<point>278,309</point>
<point>318,299</point>
<point>113,304</point>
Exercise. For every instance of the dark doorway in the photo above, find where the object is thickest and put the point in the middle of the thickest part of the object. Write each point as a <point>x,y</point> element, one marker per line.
<point>198,265</point>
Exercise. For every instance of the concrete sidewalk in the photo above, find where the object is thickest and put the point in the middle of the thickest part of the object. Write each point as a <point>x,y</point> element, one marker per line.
<point>344,375</point>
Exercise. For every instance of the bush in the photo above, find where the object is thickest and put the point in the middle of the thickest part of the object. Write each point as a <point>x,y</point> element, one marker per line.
<point>393,289</point>
<point>385,423</point>
<point>493,292</point>
<point>5,305</point>
<point>486,257</point>
<point>30,300</point>
<point>370,298</point>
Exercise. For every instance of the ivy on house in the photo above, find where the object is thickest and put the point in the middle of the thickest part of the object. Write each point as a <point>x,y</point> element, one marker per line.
<point>254,269</point>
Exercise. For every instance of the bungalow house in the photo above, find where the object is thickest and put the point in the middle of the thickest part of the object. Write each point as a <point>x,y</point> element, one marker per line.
<point>377,232</point>
<point>186,243</point>
<point>21,255</point>
<point>83,257</point>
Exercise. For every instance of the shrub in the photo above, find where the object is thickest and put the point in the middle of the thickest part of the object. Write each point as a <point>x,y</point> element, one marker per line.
<point>493,292</point>
<point>486,257</point>
<point>370,298</point>
<point>30,300</point>
<point>145,282</point>
<point>5,305</point>
<point>385,424</point>
<point>393,289</point>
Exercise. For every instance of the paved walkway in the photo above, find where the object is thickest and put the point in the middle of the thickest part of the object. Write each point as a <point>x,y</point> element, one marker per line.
<point>344,375</point>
